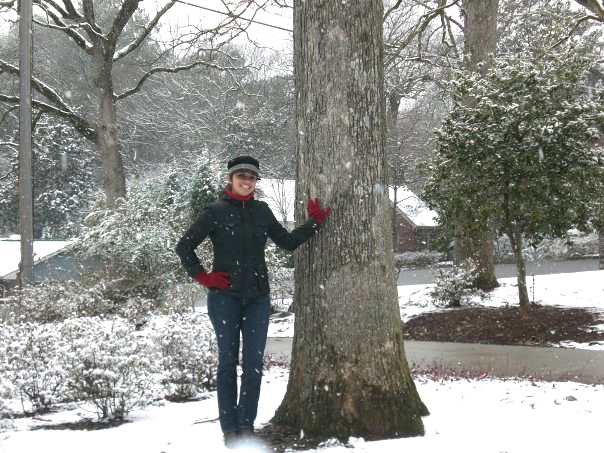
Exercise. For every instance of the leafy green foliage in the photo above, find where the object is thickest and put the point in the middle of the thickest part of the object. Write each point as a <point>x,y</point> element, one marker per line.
<point>522,149</point>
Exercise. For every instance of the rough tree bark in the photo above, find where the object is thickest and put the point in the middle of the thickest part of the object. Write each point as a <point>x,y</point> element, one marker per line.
<point>349,374</point>
<point>480,38</point>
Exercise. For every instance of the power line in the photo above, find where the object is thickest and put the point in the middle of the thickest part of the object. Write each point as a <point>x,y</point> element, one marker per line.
<point>232,15</point>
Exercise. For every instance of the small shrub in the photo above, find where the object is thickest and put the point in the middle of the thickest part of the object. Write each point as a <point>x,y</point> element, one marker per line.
<point>410,260</point>
<point>54,301</point>
<point>456,286</point>
<point>280,273</point>
<point>137,310</point>
<point>189,355</point>
<point>27,362</point>
<point>181,298</point>
<point>108,365</point>
<point>6,415</point>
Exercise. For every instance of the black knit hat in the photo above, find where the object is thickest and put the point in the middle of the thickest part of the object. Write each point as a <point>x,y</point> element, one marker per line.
<point>244,163</point>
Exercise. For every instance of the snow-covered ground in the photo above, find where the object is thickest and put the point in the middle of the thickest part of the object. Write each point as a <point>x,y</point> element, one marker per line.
<point>467,415</point>
<point>581,289</point>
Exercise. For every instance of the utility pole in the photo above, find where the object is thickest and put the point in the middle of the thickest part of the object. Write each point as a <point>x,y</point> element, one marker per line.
<point>26,267</point>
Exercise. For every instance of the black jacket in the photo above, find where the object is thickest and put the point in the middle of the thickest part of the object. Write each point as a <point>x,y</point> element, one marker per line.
<point>239,231</point>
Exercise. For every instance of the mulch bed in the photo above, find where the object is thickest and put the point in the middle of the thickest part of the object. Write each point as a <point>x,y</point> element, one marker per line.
<point>534,325</point>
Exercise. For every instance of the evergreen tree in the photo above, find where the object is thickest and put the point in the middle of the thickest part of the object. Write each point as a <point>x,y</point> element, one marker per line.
<point>526,152</point>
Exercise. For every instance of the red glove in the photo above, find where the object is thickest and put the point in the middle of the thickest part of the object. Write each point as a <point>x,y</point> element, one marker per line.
<point>315,212</point>
<point>218,280</point>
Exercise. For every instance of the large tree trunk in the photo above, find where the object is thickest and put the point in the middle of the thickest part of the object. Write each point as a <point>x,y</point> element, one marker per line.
<point>479,249</point>
<point>349,374</point>
<point>103,51</point>
<point>480,37</point>
<point>114,178</point>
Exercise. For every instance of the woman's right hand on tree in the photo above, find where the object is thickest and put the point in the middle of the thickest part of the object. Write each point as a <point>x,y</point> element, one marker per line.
<point>315,211</point>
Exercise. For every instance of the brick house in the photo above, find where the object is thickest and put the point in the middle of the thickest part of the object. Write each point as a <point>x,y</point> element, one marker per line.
<point>414,223</point>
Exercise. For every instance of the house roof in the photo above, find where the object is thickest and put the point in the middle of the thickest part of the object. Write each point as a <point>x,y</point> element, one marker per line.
<point>413,207</point>
<point>10,254</point>
<point>280,195</point>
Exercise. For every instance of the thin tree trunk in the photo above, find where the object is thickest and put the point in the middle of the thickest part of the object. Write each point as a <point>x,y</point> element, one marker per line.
<point>394,102</point>
<point>515,235</point>
<point>480,35</point>
<point>349,375</point>
<point>601,247</point>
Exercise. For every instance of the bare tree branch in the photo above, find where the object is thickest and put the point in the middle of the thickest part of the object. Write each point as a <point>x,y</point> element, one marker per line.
<point>418,31</point>
<point>571,32</point>
<point>595,6</point>
<point>58,106</point>
<point>145,32</point>
<point>8,112</point>
<point>79,123</point>
<point>390,10</point>
<point>7,3</point>
<point>59,24</point>
<point>73,13</point>
<point>174,70</point>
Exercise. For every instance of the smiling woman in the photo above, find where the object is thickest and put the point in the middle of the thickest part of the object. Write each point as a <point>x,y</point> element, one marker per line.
<point>238,299</point>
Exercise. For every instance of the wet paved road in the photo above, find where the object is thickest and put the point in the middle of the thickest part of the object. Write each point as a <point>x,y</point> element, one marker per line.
<point>424,276</point>
<point>575,364</point>
<point>499,360</point>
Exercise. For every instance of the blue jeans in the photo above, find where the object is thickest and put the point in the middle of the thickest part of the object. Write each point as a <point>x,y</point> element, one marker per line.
<point>230,316</point>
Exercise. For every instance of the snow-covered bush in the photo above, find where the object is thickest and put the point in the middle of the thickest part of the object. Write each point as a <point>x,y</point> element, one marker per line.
<point>28,364</point>
<point>573,245</point>
<point>409,260</point>
<point>108,365</point>
<point>52,301</point>
<point>137,310</point>
<point>136,240</point>
<point>456,286</point>
<point>5,415</point>
<point>189,354</point>
<point>182,298</point>
<point>280,273</point>
<point>63,187</point>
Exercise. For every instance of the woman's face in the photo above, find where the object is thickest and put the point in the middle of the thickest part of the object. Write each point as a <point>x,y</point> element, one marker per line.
<point>242,183</point>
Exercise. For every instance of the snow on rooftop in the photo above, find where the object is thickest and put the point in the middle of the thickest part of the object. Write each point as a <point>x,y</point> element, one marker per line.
<point>10,252</point>
<point>414,208</point>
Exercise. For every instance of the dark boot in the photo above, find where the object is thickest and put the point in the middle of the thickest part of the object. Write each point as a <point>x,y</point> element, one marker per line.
<point>232,439</point>
<point>246,434</point>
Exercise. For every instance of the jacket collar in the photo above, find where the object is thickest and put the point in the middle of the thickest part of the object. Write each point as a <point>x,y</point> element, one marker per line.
<point>228,195</point>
